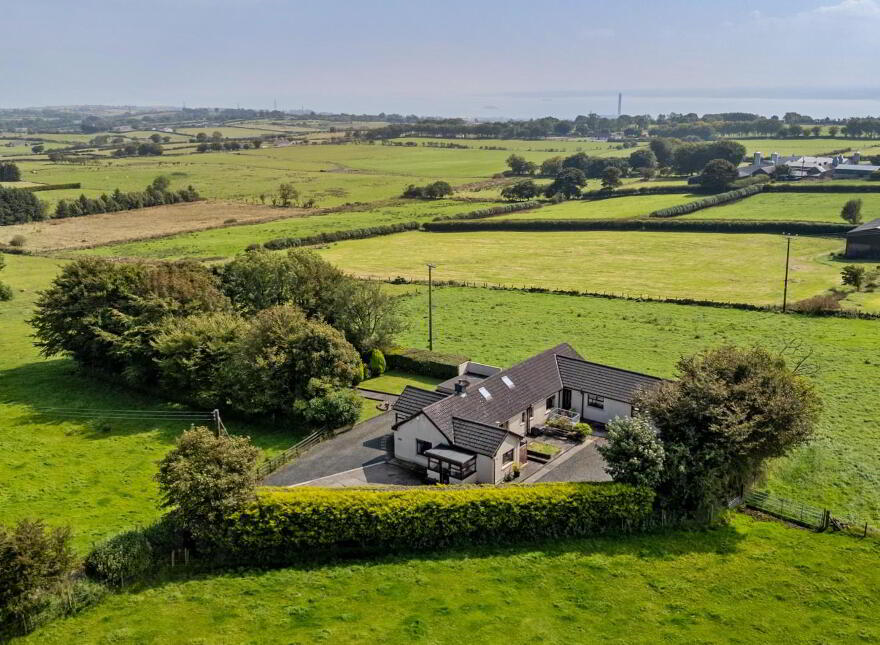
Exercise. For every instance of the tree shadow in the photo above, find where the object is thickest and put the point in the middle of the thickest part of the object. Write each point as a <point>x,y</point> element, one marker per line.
<point>49,392</point>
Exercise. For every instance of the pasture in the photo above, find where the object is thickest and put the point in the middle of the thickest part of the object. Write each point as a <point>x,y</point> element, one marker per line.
<point>613,208</point>
<point>811,146</point>
<point>227,241</point>
<point>722,267</point>
<point>750,582</point>
<point>804,207</point>
<point>541,149</point>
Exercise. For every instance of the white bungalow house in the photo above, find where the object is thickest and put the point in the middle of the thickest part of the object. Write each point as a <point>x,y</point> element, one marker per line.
<point>472,429</point>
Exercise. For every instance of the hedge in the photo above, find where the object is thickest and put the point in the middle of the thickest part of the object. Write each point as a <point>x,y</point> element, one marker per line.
<point>706,202</point>
<point>284,523</point>
<point>424,362</point>
<point>822,188</point>
<point>490,212</point>
<point>336,236</point>
<point>644,190</point>
<point>35,189</point>
<point>695,226</point>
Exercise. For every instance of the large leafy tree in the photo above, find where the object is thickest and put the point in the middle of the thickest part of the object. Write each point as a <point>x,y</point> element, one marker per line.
<point>718,174</point>
<point>852,212</point>
<point>568,183</point>
<point>206,478</point>
<point>730,410</point>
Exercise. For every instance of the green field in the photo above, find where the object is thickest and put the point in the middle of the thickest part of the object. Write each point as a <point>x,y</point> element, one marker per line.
<point>810,146</point>
<point>805,207</point>
<point>538,149</point>
<point>752,582</point>
<point>225,242</point>
<point>722,267</point>
<point>73,470</point>
<point>614,208</point>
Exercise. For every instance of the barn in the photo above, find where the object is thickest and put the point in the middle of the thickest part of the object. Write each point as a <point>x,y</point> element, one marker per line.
<point>864,241</point>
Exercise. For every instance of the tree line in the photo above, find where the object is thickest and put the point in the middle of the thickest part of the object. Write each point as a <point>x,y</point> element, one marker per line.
<point>18,205</point>
<point>9,172</point>
<point>156,194</point>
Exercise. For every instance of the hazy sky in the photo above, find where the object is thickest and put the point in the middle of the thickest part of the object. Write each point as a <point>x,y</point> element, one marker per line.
<point>485,57</point>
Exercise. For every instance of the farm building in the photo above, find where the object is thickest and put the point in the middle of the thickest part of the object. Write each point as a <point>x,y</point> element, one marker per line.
<point>854,171</point>
<point>864,241</point>
<point>477,430</point>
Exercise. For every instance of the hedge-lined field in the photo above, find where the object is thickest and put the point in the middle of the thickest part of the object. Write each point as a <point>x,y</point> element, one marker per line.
<point>712,266</point>
<point>709,202</point>
<point>801,207</point>
<point>612,208</point>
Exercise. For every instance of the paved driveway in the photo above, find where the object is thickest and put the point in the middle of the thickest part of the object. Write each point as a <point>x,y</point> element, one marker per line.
<point>360,446</point>
<point>585,465</point>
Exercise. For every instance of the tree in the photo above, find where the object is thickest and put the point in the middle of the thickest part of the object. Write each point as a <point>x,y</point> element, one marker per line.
<point>551,167</point>
<point>579,160</point>
<point>38,149</point>
<point>521,190</point>
<point>643,158</point>
<point>279,354</point>
<point>217,136</point>
<point>833,130</point>
<point>287,194</point>
<point>664,150</point>
<point>34,561</point>
<point>377,362</point>
<point>519,165</point>
<point>206,478</point>
<point>718,174</point>
<point>18,206</point>
<point>853,275</point>
<point>161,183</point>
<point>435,190</point>
<point>5,289</point>
<point>611,178</point>
<point>330,407</point>
<point>257,143</point>
<point>852,212</point>
<point>730,410</point>
<point>9,172</point>
<point>201,137</point>
<point>155,138</point>
<point>568,183</point>
<point>816,130</point>
<point>633,454</point>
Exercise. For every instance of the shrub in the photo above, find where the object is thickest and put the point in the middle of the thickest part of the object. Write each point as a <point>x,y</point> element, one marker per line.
<point>424,362</point>
<point>817,304</point>
<point>583,430</point>
<point>377,362</point>
<point>706,202</point>
<point>18,240</point>
<point>120,559</point>
<point>330,408</point>
<point>5,292</point>
<point>282,524</point>
<point>434,190</point>
<point>204,478</point>
<point>634,455</point>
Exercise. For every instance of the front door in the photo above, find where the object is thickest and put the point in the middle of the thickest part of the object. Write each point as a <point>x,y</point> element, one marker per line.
<point>444,472</point>
<point>566,399</point>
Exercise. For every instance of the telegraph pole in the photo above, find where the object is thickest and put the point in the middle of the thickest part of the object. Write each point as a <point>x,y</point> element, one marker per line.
<point>788,237</point>
<point>430,310</point>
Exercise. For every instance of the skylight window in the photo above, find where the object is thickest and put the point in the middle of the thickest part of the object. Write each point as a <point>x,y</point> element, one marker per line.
<point>485,394</point>
<point>507,382</point>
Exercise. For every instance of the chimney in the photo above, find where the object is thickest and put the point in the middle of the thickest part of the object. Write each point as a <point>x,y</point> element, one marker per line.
<point>759,158</point>
<point>775,158</point>
<point>461,387</point>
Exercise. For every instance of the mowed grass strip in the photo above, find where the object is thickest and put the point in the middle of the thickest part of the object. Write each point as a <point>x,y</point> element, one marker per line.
<point>801,207</point>
<point>227,241</point>
<point>751,582</point>
<point>721,267</point>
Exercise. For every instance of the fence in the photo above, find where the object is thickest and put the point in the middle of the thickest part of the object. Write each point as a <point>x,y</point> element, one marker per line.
<point>271,465</point>
<point>809,516</point>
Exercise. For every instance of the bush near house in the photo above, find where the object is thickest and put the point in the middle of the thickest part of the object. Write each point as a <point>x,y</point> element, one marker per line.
<point>283,524</point>
<point>424,362</point>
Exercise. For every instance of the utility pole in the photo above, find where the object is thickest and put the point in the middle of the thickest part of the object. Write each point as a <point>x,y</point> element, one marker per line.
<point>430,309</point>
<point>788,237</point>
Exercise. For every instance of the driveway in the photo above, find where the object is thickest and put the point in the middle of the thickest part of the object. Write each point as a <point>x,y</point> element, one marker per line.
<point>361,446</point>
<point>584,465</point>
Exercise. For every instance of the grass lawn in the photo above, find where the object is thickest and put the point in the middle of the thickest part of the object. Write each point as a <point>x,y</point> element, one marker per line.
<point>69,470</point>
<point>840,470</point>
<point>393,382</point>
<point>724,267</point>
<point>543,448</point>
<point>226,242</point>
<point>368,410</point>
<point>805,207</point>
<point>751,582</point>
<point>613,208</point>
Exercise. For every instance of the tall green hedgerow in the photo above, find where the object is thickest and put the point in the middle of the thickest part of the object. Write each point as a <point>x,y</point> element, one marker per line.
<point>706,202</point>
<point>424,362</point>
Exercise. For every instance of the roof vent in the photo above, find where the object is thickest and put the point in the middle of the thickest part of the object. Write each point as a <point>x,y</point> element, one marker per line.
<point>461,386</point>
<point>508,382</point>
<point>485,394</point>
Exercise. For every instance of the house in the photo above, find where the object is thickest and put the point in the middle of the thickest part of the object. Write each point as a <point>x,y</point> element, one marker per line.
<point>864,241</point>
<point>475,431</point>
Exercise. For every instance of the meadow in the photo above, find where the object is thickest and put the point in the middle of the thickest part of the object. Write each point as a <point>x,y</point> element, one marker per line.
<point>227,241</point>
<point>804,207</point>
<point>613,208</point>
<point>546,147</point>
<point>811,146</point>
<point>750,582</point>
<point>721,267</point>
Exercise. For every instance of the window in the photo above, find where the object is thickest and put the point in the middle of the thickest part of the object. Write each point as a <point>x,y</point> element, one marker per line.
<point>422,446</point>
<point>551,402</point>
<point>433,464</point>
<point>531,412</point>
<point>596,401</point>
<point>522,417</point>
<point>507,457</point>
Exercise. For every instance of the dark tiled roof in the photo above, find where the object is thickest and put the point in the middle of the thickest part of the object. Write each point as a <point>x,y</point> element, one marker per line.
<point>413,399</point>
<point>610,382</point>
<point>868,228</point>
<point>533,379</point>
<point>479,437</point>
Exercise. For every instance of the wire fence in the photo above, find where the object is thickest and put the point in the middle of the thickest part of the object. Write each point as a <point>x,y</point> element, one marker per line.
<point>813,517</point>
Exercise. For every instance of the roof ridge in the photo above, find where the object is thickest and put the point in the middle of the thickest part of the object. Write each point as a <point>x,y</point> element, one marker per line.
<point>610,367</point>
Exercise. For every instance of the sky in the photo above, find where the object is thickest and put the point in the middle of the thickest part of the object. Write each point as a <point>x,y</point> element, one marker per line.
<point>502,58</point>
